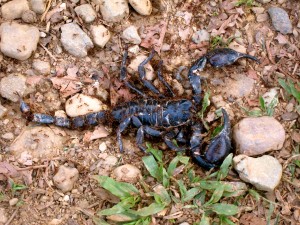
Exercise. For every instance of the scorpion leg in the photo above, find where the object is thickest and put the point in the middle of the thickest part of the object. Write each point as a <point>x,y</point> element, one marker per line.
<point>161,78</point>
<point>123,76</point>
<point>195,80</point>
<point>123,125</point>
<point>168,140</point>
<point>142,73</point>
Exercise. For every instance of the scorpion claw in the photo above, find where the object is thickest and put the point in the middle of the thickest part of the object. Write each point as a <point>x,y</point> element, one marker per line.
<point>218,149</point>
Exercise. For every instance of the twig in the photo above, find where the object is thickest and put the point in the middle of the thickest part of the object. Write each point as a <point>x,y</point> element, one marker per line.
<point>46,10</point>
<point>48,52</point>
<point>32,167</point>
<point>290,159</point>
<point>12,217</point>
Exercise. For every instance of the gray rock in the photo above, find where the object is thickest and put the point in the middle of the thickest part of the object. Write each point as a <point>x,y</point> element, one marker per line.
<point>255,136</point>
<point>39,142</point>
<point>264,172</point>
<point>29,16</point>
<point>74,40</point>
<point>11,85</point>
<point>65,178</point>
<point>86,12</point>
<point>38,6</point>
<point>238,87</point>
<point>14,9</point>
<point>143,7</point>
<point>280,20</point>
<point>18,41</point>
<point>41,67</point>
<point>100,35</point>
<point>3,216</point>
<point>130,34</point>
<point>200,36</point>
<point>114,10</point>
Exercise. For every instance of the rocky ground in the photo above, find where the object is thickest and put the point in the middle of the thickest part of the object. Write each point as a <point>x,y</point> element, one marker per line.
<point>66,56</point>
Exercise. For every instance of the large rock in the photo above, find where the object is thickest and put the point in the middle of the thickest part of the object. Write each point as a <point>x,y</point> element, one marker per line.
<point>280,20</point>
<point>12,87</point>
<point>14,9</point>
<point>81,104</point>
<point>75,40</point>
<point>264,172</point>
<point>18,41</point>
<point>39,142</point>
<point>114,10</point>
<point>143,7</point>
<point>255,136</point>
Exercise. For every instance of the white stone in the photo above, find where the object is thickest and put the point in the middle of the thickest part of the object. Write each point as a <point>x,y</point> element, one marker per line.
<point>127,173</point>
<point>257,135</point>
<point>143,7</point>
<point>86,12</point>
<point>8,136</point>
<point>102,147</point>
<point>65,178</point>
<point>133,67</point>
<point>11,85</point>
<point>18,41</point>
<point>134,49</point>
<point>264,172</point>
<point>270,97</point>
<point>41,67</point>
<point>13,201</point>
<point>14,9</point>
<point>3,216</point>
<point>130,34</point>
<point>114,10</point>
<point>100,35</point>
<point>81,104</point>
<point>38,6</point>
<point>74,40</point>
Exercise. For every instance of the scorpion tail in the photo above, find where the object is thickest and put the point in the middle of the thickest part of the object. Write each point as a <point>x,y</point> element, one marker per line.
<point>91,119</point>
<point>218,149</point>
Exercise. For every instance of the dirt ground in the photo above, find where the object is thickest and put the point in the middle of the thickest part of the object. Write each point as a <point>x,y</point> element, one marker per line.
<point>42,203</point>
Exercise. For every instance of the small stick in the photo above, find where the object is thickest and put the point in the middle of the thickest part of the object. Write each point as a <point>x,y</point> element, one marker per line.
<point>48,52</point>
<point>32,167</point>
<point>12,217</point>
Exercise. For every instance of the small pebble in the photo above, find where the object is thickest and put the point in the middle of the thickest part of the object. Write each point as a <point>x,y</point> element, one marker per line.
<point>3,216</point>
<point>290,107</point>
<point>18,41</point>
<point>11,85</point>
<point>38,6</point>
<point>114,10</point>
<point>200,36</point>
<point>264,172</point>
<point>134,49</point>
<point>102,147</point>
<point>86,12</point>
<point>81,104</point>
<point>280,20</point>
<point>3,111</point>
<point>75,40</point>
<point>289,116</point>
<point>13,201</point>
<point>65,178</point>
<point>100,35</point>
<point>29,16</point>
<point>66,198</point>
<point>255,136</point>
<point>41,67</point>
<point>127,173</point>
<point>130,34</point>
<point>143,7</point>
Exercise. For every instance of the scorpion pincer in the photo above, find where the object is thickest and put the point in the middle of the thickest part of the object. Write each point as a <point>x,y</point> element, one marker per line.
<point>159,117</point>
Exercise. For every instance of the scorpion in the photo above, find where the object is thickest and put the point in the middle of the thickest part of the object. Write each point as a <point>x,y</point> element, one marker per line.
<point>159,117</point>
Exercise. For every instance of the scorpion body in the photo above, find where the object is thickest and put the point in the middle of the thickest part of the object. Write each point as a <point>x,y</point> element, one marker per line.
<point>167,119</point>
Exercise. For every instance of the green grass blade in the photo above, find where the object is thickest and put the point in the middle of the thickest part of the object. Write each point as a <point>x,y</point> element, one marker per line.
<point>224,168</point>
<point>152,167</point>
<point>224,209</point>
<point>149,210</point>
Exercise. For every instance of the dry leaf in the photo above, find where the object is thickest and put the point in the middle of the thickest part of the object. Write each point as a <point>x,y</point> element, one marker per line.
<point>8,170</point>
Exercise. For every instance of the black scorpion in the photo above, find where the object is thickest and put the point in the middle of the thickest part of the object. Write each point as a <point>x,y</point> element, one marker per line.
<point>160,117</point>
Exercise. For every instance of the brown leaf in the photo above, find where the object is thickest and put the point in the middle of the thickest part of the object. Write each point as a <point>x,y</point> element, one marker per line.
<point>99,132</point>
<point>67,85</point>
<point>281,39</point>
<point>33,80</point>
<point>252,74</point>
<point>8,170</point>
<point>72,71</point>
<point>150,40</point>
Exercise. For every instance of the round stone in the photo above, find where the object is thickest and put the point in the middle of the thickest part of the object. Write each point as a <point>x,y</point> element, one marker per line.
<point>143,7</point>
